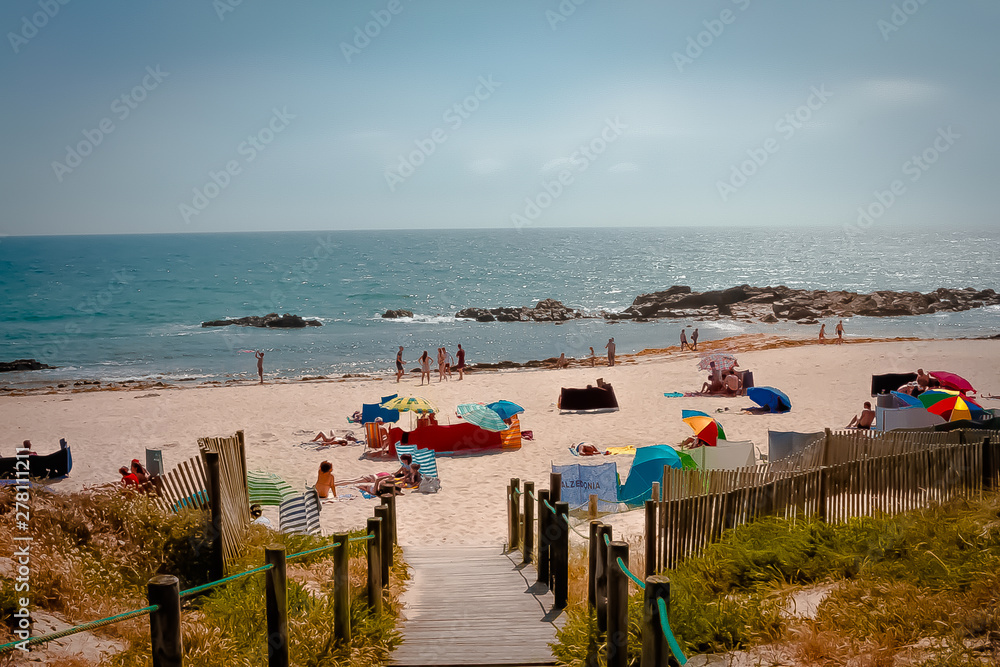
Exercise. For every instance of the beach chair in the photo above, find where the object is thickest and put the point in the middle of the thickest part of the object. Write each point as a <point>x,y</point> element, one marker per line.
<point>427,461</point>
<point>404,449</point>
<point>376,438</point>
<point>300,514</point>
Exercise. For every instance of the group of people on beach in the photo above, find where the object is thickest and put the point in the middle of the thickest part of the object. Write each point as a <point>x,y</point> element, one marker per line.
<point>445,363</point>
<point>866,418</point>
<point>839,330</point>
<point>693,345</point>
<point>722,382</point>
<point>407,476</point>
<point>136,477</point>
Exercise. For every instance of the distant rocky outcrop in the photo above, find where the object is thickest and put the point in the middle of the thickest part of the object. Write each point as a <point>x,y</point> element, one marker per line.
<point>546,310</point>
<point>771,304</point>
<point>23,365</point>
<point>270,321</point>
<point>393,314</point>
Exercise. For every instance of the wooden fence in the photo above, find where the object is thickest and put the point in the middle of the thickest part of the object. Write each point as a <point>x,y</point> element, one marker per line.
<point>838,477</point>
<point>185,485</point>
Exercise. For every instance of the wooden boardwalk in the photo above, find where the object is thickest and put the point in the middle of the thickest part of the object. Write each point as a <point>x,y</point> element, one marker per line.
<point>474,606</point>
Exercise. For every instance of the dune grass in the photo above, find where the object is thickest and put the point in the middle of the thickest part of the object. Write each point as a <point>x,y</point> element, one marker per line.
<point>927,579</point>
<point>94,552</point>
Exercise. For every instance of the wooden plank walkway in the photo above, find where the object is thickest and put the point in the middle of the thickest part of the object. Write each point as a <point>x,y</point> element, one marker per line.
<point>474,606</point>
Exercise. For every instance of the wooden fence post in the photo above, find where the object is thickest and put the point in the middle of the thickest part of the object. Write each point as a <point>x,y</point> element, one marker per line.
<point>655,651</point>
<point>592,507</point>
<point>389,500</point>
<point>601,581</point>
<point>275,602</point>
<point>617,655</point>
<point>385,542</point>
<point>592,565</point>
<point>543,538</point>
<point>374,553</point>
<point>555,487</point>
<point>510,516</point>
<point>515,513</point>
<point>650,551</point>
<point>990,464</point>
<point>529,523</point>
<point>824,480</point>
<point>560,555</point>
<point>165,622</point>
<point>341,590</point>
<point>217,563</point>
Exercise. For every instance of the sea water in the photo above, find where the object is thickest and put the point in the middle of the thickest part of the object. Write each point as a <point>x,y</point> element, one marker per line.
<point>130,307</point>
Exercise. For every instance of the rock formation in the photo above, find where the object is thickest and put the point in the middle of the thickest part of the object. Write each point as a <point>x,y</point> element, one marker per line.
<point>393,314</point>
<point>546,310</point>
<point>271,321</point>
<point>22,365</point>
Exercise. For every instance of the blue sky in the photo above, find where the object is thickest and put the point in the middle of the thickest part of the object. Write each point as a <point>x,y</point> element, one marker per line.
<point>273,116</point>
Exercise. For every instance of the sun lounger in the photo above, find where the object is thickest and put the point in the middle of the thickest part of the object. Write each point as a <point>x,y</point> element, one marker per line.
<point>376,438</point>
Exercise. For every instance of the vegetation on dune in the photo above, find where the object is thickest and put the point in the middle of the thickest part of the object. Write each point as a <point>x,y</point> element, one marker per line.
<point>94,552</point>
<point>928,579</point>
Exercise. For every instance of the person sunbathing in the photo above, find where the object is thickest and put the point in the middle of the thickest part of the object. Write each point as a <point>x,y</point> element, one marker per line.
<point>325,482</point>
<point>333,439</point>
<point>587,449</point>
<point>385,484</point>
<point>865,419</point>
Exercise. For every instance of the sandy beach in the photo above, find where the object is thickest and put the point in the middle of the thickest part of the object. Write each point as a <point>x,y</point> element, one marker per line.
<point>826,384</point>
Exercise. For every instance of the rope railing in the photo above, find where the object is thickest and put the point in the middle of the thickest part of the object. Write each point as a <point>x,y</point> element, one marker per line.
<point>624,568</point>
<point>6,648</point>
<point>213,584</point>
<point>675,647</point>
<point>312,551</point>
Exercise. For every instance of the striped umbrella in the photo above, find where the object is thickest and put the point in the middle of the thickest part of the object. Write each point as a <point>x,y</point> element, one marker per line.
<point>267,488</point>
<point>705,427</point>
<point>950,405</point>
<point>723,361</point>
<point>411,404</point>
<point>481,416</point>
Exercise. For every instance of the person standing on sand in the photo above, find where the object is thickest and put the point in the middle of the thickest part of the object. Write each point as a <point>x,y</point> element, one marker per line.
<point>260,365</point>
<point>399,364</point>
<point>840,332</point>
<point>441,357</point>
<point>593,358</point>
<point>460,367</point>
<point>694,340</point>
<point>684,340</point>
<point>611,351</point>
<point>449,361</point>
<point>425,368</point>
<point>822,333</point>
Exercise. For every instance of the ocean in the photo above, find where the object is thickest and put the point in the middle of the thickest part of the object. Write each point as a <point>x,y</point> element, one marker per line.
<point>125,307</point>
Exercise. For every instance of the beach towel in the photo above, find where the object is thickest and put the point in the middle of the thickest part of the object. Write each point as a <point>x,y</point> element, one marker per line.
<point>674,394</point>
<point>628,449</point>
<point>427,461</point>
<point>341,497</point>
<point>527,435</point>
<point>300,514</point>
<point>267,488</point>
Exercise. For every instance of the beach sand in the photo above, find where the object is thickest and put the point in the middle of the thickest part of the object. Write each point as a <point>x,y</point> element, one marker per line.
<point>826,384</point>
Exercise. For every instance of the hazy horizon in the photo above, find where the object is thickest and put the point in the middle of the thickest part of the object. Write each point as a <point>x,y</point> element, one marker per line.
<point>393,114</point>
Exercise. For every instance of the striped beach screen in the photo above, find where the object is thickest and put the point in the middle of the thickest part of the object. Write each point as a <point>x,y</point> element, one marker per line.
<point>300,514</point>
<point>427,461</point>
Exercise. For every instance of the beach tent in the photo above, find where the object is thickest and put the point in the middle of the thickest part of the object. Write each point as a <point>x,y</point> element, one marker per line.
<point>727,455</point>
<point>580,481</point>
<point>782,444</point>
<point>647,467</point>
<point>883,384</point>
<point>770,398</point>
<point>592,399</point>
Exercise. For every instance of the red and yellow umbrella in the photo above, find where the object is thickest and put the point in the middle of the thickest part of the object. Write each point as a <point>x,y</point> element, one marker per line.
<point>705,427</point>
<point>950,405</point>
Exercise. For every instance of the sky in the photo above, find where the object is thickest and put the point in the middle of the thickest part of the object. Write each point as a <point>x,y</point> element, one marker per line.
<point>245,115</point>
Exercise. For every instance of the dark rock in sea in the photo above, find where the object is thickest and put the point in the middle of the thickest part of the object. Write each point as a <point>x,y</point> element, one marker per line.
<point>393,314</point>
<point>23,365</point>
<point>270,321</point>
<point>546,310</point>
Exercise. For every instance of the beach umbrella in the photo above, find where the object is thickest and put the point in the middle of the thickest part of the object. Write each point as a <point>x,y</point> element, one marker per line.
<point>267,488</point>
<point>950,405</point>
<point>410,404</point>
<point>952,381</point>
<point>770,398</point>
<point>907,400</point>
<point>506,409</point>
<point>723,361</point>
<point>647,467</point>
<point>481,416</point>
<point>706,428</point>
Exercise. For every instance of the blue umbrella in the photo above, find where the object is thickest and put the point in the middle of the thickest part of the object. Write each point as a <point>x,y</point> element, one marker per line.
<point>770,398</point>
<point>647,467</point>
<point>506,409</point>
<point>907,400</point>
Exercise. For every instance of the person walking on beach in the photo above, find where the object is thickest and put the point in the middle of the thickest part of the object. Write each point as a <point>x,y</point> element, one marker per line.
<point>460,367</point>
<point>260,365</point>
<point>822,333</point>
<point>694,340</point>
<point>684,340</point>
<point>840,332</point>
<point>611,351</point>
<point>425,368</point>
<point>399,364</point>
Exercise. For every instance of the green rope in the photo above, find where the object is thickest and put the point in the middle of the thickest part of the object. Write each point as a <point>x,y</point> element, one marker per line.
<point>638,582</point>
<point>362,539</point>
<point>213,584</point>
<point>607,540</point>
<point>532,494</point>
<point>675,648</point>
<point>312,551</point>
<point>573,528</point>
<point>551,508</point>
<point>6,648</point>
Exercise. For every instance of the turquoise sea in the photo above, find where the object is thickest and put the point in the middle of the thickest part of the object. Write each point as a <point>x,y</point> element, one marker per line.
<point>130,307</point>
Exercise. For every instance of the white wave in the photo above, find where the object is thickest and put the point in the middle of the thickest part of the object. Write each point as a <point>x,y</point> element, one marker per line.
<point>421,319</point>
